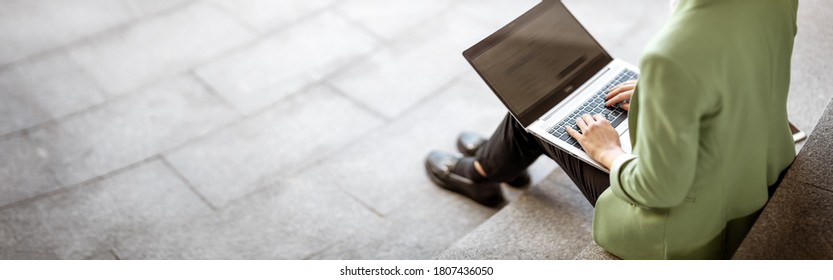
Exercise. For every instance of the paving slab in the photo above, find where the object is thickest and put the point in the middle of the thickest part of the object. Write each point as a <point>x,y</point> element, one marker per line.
<point>268,15</point>
<point>129,129</point>
<point>385,168</point>
<point>415,66</point>
<point>43,89</point>
<point>617,27</point>
<point>89,219</point>
<point>31,27</point>
<point>388,18</point>
<point>270,146</point>
<point>495,13</point>
<point>24,255</point>
<point>160,47</point>
<point>293,219</point>
<point>419,229</point>
<point>286,62</point>
<point>7,236</point>
<point>811,64</point>
<point>551,221</point>
<point>24,171</point>
<point>142,8</point>
<point>18,111</point>
<point>814,164</point>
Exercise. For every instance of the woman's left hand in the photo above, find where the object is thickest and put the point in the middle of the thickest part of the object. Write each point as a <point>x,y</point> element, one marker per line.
<point>598,138</point>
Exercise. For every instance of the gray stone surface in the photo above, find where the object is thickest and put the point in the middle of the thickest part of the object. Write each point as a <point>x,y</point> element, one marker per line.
<point>374,169</point>
<point>142,8</point>
<point>18,111</point>
<point>388,18</point>
<point>494,13</point>
<point>808,94</point>
<point>293,219</point>
<point>551,221</point>
<point>420,219</point>
<point>413,67</point>
<point>46,88</point>
<point>268,15</point>
<point>272,145</point>
<point>811,64</point>
<point>7,236</point>
<point>612,24</point>
<point>129,129</point>
<point>594,252</point>
<point>259,75</point>
<point>796,224</point>
<point>26,255</point>
<point>89,219</point>
<point>30,27</point>
<point>814,164</point>
<point>160,47</point>
<point>24,171</point>
<point>421,228</point>
<point>103,256</point>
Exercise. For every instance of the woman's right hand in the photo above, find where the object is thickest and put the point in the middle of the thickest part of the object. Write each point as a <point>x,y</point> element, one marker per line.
<point>621,94</point>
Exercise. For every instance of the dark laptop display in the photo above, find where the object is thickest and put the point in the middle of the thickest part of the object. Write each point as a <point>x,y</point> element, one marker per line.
<point>537,60</point>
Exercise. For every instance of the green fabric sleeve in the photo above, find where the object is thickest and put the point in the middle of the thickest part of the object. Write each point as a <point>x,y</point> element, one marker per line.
<point>666,145</point>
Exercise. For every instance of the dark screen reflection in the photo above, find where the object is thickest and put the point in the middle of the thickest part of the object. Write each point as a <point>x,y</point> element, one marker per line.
<point>537,57</point>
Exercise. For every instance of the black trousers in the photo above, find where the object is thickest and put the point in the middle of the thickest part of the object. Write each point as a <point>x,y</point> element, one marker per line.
<point>511,150</point>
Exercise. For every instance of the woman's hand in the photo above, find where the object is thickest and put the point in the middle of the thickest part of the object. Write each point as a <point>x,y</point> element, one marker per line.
<point>598,138</point>
<point>621,94</point>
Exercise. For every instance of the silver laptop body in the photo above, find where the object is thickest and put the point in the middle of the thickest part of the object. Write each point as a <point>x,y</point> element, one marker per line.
<point>548,70</point>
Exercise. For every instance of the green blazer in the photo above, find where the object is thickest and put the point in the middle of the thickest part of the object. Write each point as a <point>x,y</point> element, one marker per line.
<point>709,128</point>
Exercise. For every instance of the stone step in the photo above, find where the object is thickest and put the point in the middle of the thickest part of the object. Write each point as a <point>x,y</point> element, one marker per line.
<point>594,252</point>
<point>552,220</point>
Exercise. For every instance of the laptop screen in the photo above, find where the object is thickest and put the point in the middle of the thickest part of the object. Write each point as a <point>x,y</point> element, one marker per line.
<point>543,55</point>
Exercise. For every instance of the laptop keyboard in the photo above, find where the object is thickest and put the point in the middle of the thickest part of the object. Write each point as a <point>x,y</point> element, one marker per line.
<point>594,105</point>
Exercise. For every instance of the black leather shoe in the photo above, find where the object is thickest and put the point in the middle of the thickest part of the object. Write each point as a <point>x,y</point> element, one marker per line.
<point>440,167</point>
<point>469,142</point>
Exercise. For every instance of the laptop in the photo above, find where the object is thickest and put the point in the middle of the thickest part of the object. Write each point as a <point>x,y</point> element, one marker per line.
<point>548,71</point>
